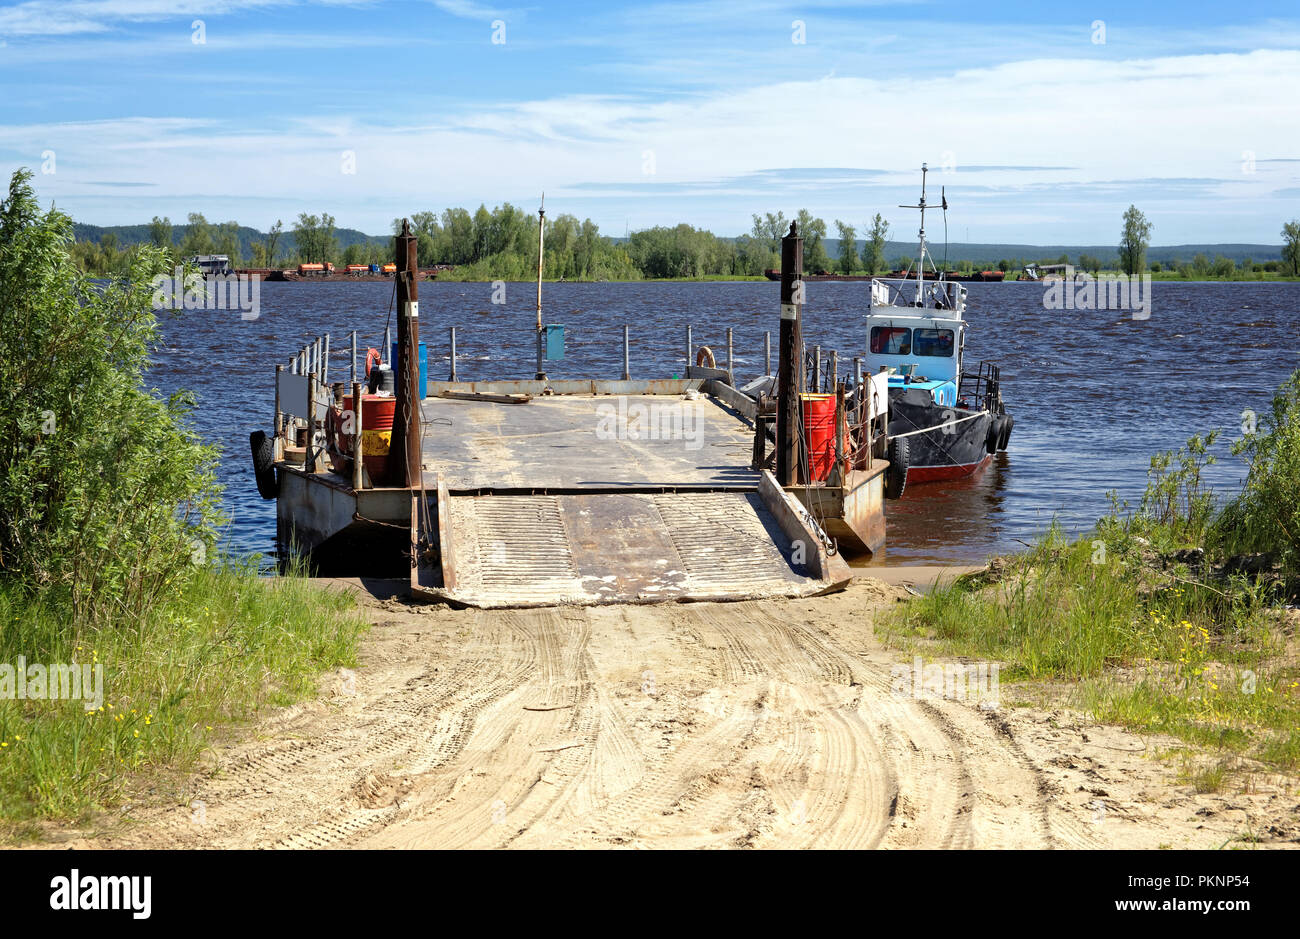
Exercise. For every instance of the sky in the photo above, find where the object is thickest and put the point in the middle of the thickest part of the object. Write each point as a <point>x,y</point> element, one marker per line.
<point>1041,122</point>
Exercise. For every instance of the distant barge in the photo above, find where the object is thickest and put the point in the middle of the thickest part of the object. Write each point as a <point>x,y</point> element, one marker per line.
<point>328,273</point>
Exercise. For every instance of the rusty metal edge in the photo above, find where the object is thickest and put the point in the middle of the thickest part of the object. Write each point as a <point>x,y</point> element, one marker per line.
<point>830,569</point>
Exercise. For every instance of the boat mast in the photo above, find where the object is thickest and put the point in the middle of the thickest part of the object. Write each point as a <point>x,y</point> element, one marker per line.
<point>920,264</point>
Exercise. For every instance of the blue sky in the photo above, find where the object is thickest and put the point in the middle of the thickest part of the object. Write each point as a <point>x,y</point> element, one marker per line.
<point>1042,121</point>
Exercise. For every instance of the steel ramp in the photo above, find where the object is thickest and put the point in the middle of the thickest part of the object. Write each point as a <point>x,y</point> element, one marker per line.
<point>615,547</point>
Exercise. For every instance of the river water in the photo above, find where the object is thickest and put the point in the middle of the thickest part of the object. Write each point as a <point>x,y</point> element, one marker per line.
<point>1094,393</point>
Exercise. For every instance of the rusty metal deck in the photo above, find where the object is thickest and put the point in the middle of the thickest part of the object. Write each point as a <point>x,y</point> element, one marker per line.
<point>574,442</point>
<point>609,547</point>
<point>604,498</point>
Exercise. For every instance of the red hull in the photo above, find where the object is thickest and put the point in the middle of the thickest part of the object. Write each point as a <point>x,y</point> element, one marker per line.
<point>934,474</point>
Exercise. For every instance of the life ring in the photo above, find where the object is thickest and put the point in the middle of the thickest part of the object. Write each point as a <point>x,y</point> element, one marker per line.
<point>704,358</point>
<point>372,355</point>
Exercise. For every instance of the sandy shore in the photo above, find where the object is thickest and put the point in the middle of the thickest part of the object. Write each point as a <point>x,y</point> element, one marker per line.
<point>766,724</point>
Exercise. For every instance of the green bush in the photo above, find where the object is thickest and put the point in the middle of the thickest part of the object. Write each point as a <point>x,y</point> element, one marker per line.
<point>1264,518</point>
<point>108,522</point>
<point>106,496</point>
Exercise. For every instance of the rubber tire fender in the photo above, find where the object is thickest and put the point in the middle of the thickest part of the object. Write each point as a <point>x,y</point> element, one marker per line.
<point>263,448</point>
<point>994,433</point>
<point>1008,423</point>
<point>899,454</point>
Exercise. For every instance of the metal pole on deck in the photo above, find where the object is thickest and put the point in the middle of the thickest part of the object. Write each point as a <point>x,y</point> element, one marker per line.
<point>835,368</point>
<point>310,459</point>
<point>357,478</point>
<point>352,377</point>
<point>690,353</point>
<point>387,355</point>
<point>404,460</point>
<point>789,379</point>
<point>839,427</point>
<point>767,352</point>
<point>325,361</point>
<point>731,372</point>
<point>541,238</point>
<point>452,331</point>
<point>279,370</point>
<point>817,370</point>
<point>627,358</point>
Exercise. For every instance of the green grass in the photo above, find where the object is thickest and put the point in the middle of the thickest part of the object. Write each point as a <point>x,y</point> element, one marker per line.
<point>1149,649</point>
<point>224,647</point>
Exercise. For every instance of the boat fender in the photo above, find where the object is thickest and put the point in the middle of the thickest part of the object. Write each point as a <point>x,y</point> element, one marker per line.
<point>1008,422</point>
<point>372,358</point>
<point>899,454</point>
<point>994,434</point>
<point>263,448</point>
<point>704,358</point>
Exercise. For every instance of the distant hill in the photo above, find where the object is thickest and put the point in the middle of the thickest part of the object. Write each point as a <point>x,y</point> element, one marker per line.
<point>992,253</point>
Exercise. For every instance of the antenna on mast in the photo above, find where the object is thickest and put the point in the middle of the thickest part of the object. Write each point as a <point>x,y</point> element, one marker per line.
<point>920,264</point>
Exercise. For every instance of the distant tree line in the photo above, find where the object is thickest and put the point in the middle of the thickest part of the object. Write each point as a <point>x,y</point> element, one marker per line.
<point>501,243</point>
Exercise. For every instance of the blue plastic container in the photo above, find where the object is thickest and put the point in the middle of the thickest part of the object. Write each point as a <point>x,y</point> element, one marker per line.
<point>424,368</point>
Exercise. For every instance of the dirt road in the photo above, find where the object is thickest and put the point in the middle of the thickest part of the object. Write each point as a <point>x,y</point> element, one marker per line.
<point>763,724</point>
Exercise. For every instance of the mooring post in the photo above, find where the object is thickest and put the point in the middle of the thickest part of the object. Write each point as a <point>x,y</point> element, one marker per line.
<point>541,239</point>
<point>690,353</point>
<point>352,376</point>
<point>789,378</point>
<point>767,352</point>
<point>627,358</point>
<point>404,458</point>
<point>357,453</point>
<point>731,371</point>
<point>452,331</point>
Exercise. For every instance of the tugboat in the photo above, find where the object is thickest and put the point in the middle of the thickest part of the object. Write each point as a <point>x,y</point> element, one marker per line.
<point>944,422</point>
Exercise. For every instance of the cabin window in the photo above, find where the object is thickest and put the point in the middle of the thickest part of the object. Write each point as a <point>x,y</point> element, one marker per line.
<point>891,340</point>
<point>935,342</point>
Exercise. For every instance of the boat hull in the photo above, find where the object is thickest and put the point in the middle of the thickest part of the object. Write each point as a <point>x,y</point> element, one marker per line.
<point>953,452</point>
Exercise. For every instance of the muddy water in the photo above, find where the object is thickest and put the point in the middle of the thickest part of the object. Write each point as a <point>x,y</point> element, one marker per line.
<point>1094,393</point>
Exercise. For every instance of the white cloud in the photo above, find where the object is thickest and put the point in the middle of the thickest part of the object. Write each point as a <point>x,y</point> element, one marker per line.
<point>63,17</point>
<point>1185,117</point>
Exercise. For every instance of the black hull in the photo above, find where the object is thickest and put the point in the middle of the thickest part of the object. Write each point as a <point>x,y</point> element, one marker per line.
<point>953,452</point>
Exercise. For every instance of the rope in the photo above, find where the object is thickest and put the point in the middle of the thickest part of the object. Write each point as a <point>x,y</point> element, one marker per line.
<point>926,430</point>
